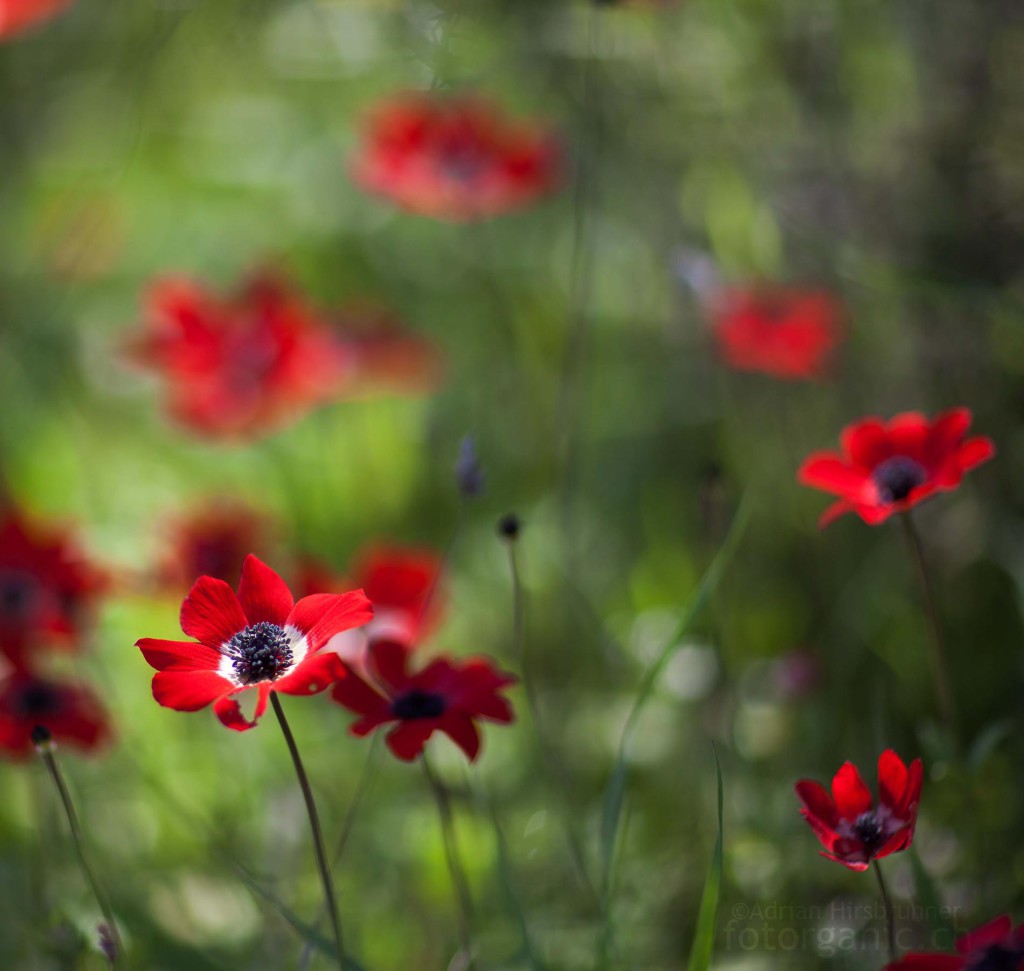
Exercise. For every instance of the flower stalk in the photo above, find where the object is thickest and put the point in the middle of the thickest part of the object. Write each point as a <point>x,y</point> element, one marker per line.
<point>890,922</point>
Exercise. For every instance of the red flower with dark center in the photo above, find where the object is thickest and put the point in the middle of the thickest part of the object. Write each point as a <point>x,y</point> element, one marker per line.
<point>258,639</point>
<point>996,946</point>
<point>46,590</point>
<point>889,467</point>
<point>72,714</point>
<point>448,695</point>
<point>19,15</point>
<point>239,365</point>
<point>851,828</point>
<point>781,331</point>
<point>454,158</point>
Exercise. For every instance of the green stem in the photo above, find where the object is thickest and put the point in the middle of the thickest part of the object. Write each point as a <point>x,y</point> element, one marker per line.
<point>314,825</point>
<point>451,852</point>
<point>940,668</point>
<point>890,922</point>
<point>45,748</point>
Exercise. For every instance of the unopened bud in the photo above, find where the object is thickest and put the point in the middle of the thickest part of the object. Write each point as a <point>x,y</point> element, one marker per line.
<point>509,526</point>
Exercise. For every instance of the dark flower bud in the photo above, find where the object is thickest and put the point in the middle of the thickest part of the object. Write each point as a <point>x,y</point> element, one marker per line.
<point>509,526</point>
<point>107,942</point>
<point>41,737</point>
<point>469,473</point>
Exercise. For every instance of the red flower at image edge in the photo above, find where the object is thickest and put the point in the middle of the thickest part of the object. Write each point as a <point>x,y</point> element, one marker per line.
<point>996,946</point>
<point>454,157</point>
<point>72,714</point>
<point>46,589</point>
<point>448,695</point>
<point>889,467</point>
<point>850,827</point>
<point>781,331</point>
<point>259,639</point>
<point>238,365</point>
<point>18,15</point>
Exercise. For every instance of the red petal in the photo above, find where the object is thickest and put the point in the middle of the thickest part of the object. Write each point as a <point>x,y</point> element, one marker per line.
<point>817,802</point>
<point>927,962</point>
<point>849,793</point>
<point>189,690</point>
<point>389,660</point>
<point>178,655</point>
<point>462,730</point>
<point>994,932</point>
<point>892,780</point>
<point>230,712</point>
<point>408,739</point>
<point>912,794</point>
<point>211,612</point>
<point>323,615</point>
<point>866,443</point>
<point>828,472</point>
<point>857,865</point>
<point>946,433</point>
<point>908,435</point>
<point>313,675</point>
<point>834,511</point>
<point>975,451</point>
<point>263,594</point>
<point>356,695</point>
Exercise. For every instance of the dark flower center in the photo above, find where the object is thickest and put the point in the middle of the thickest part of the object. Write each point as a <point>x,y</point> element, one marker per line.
<point>896,477</point>
<point>17,595</point>
<point>34,700</point>
<point>261,652</point>
<point>996,957</point>
<point>868,830</point>
<point>418,704</point>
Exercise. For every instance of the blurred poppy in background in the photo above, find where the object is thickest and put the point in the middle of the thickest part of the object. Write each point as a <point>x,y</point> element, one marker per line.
<point>17,16</point>
<point>71,713</point>
<point>454,157</point>
<point>996,946</point>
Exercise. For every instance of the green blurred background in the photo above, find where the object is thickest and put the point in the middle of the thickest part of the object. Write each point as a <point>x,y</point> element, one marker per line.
<point>873,148</point>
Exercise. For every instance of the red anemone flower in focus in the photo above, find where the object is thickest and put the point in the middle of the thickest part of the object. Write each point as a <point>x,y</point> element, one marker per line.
<point>46,589</point>
<point>258,639</point>
<point>72,714</point>
<point>455,158</point>
<point>995,946</point>
<point>447,695</point>
<point>889,467</point>
<point>782,331</point>
<point>236,366</point>
<point>851,828</point>
<point>19,15</point>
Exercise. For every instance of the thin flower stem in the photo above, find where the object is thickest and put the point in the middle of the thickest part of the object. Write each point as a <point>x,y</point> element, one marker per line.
<point>890,922</point>
<point>314,825</point>
<point>940,669</point>
<point>46,749</point>
<point>451,852</point>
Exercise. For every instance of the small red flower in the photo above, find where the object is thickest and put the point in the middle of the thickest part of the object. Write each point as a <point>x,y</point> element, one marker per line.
<point>782,331</point>
<point>447,695</point>
<point>996,946</point>
<point>454,158</point>
<point>72,714</point>
<point>258,639</point>
<point>853,831</point>
<point>889,467</point>
<point>19,15</point>
<point>47,590</point>
<point>239,365</point>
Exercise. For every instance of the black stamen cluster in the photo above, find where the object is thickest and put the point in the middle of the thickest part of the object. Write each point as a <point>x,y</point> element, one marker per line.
<point>418,704</point>
<point>17,593</point>
<point>36,699</point>
<point>261,652</point>
<point>868,829</point>
<point>896,477</point>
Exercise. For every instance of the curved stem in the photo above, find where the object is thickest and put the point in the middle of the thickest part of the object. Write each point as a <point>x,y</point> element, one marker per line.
<point>45,750</point>
<point>890,923</point>
<point>940,669</point>
<point>314,825</point>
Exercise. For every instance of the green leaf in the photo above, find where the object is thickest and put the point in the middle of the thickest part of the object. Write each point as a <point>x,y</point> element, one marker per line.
<point>707,917</point>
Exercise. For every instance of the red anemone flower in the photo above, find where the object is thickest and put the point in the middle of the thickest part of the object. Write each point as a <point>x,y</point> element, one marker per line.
<point>239,365</point>
<point>46,589</point>
<point>19,15</point>
<point>448,695</point>
<point>782,331</point>
<point>258,639</point>
<point>889,467</point>
<point>850,827</point>
<point>455,158</point>
<point>995,946</point>
<point>72,714</point>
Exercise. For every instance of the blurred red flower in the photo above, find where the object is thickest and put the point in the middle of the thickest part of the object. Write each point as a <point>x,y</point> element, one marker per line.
<point>996,946</point>
<point>71,713</point>
<point>18,15</point>
<point>454,157</point>
<point>258,639</point>
<point>853,831</point>
<point>889,467</point>
<point>782,331</point>
<point>47,590</point>
<point>448,695</point>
